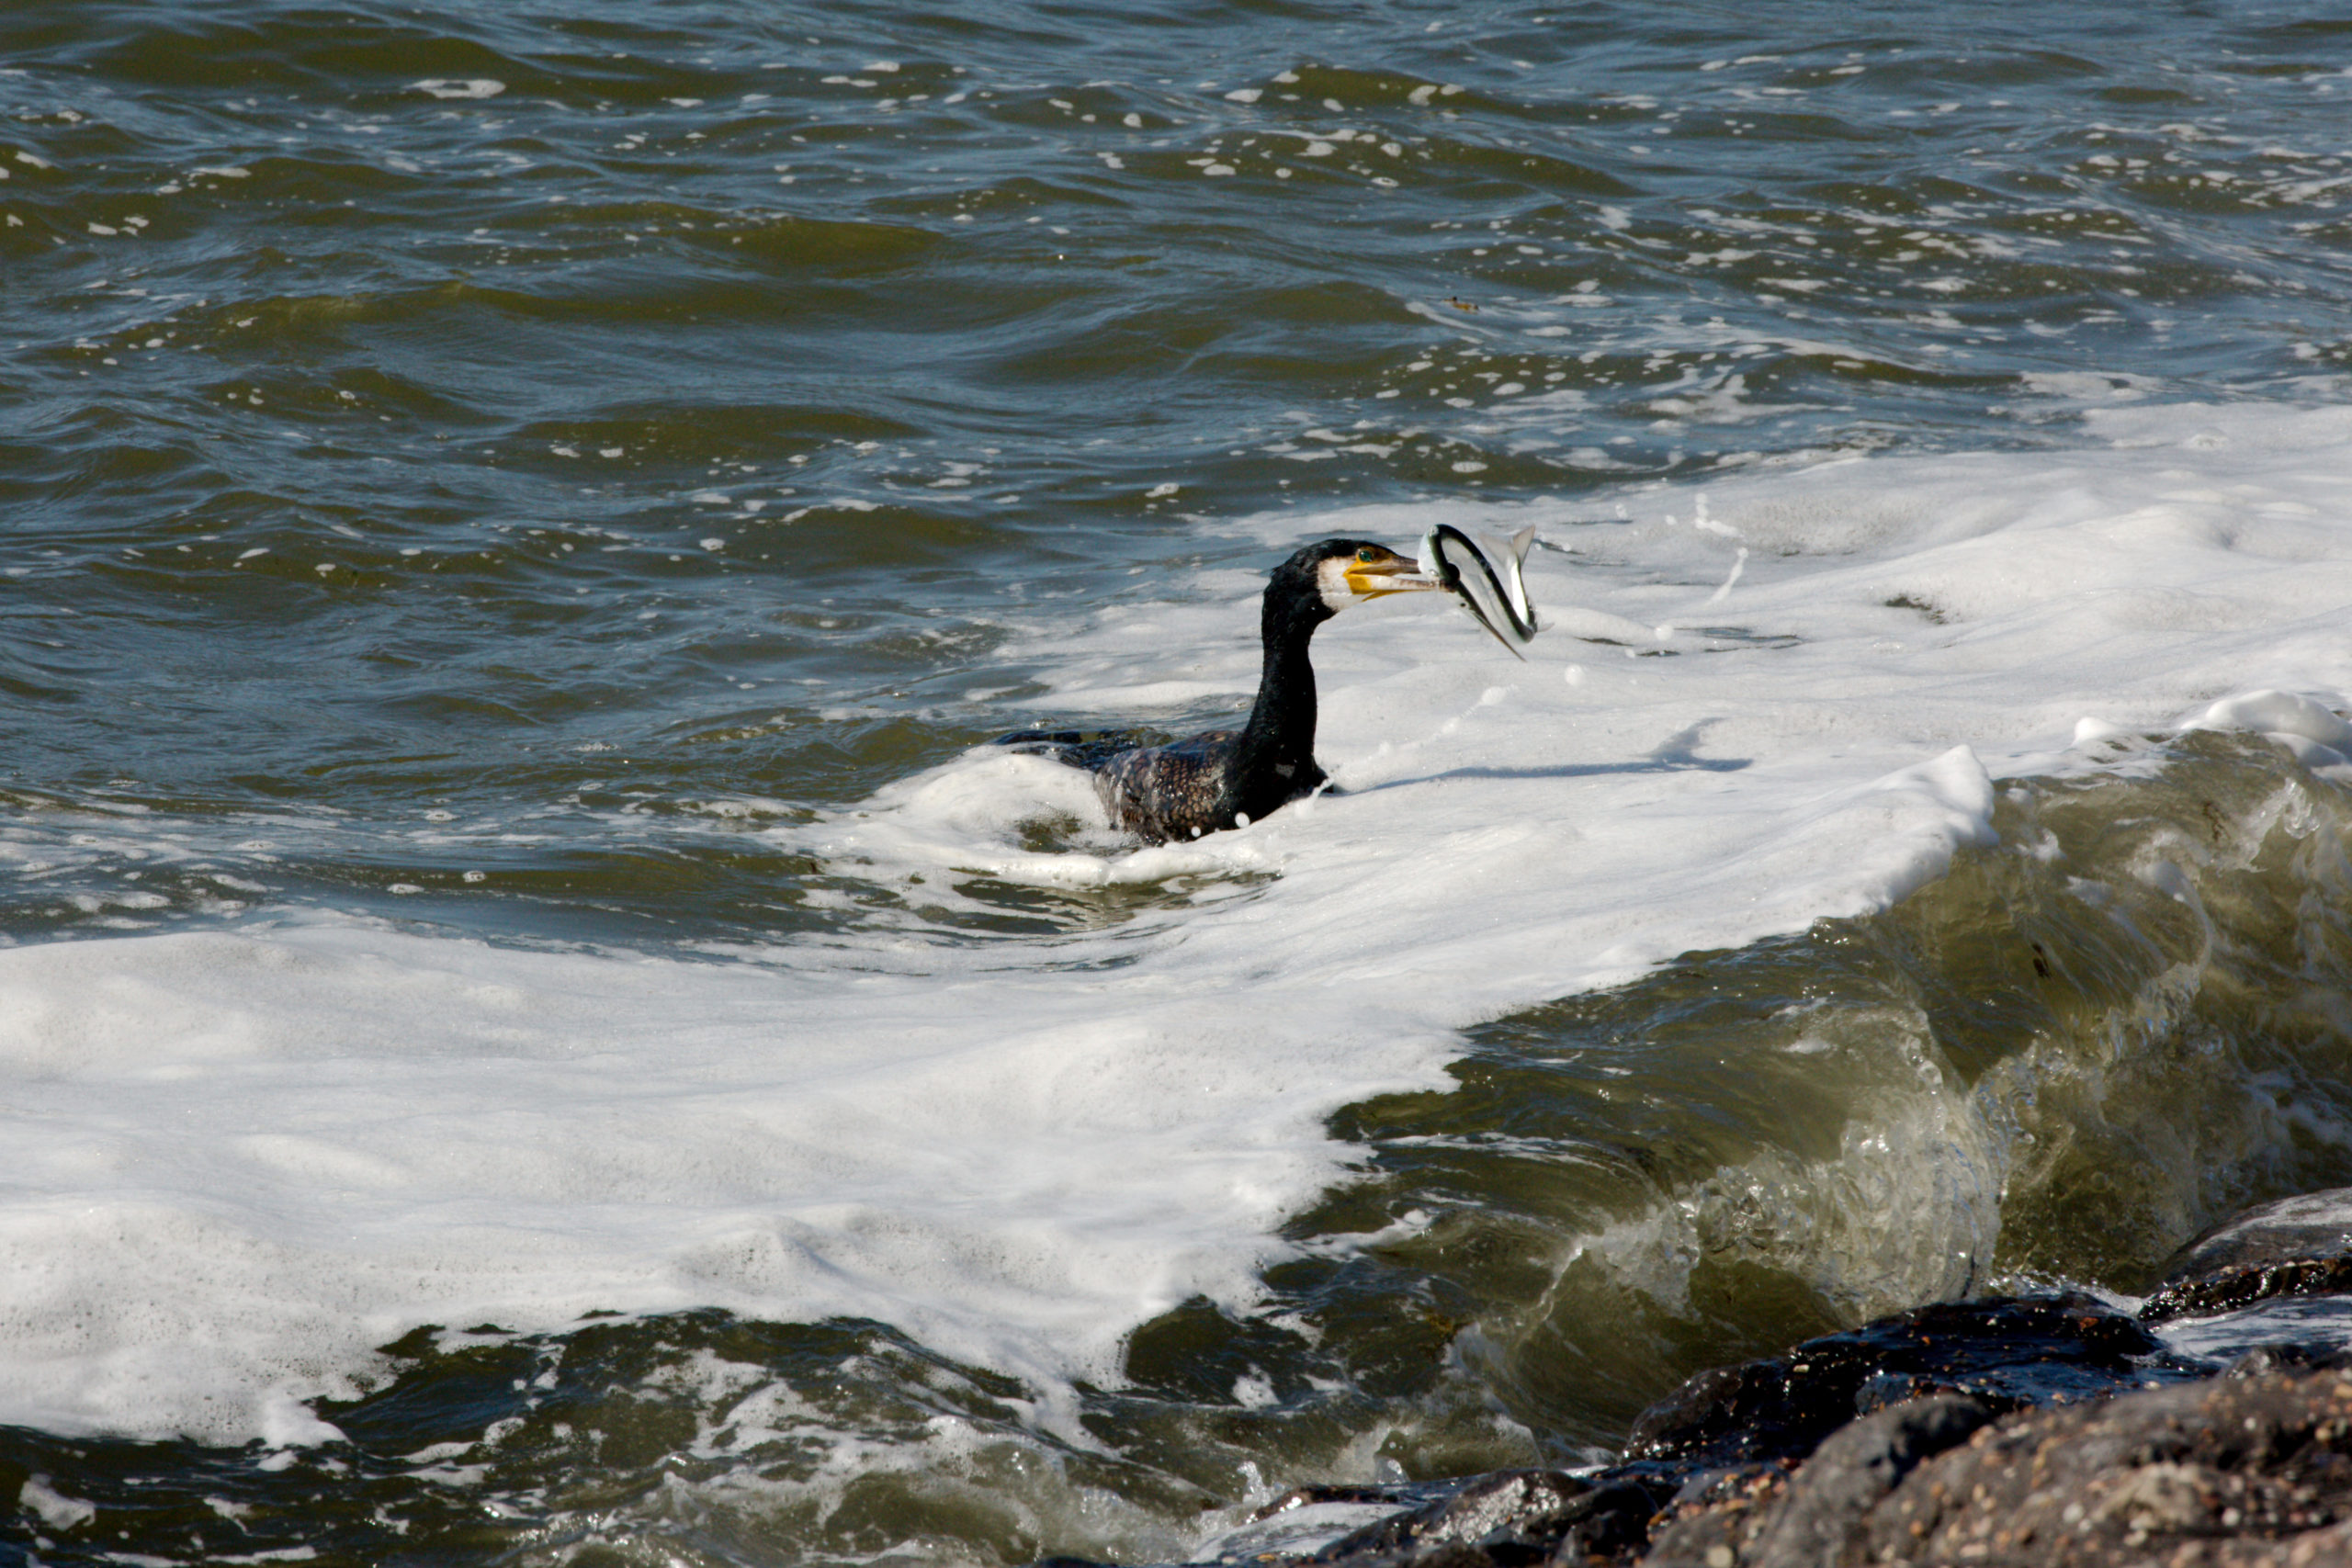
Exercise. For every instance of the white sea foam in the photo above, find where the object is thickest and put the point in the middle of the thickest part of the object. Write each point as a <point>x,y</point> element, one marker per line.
<point>472,87</point>
<point>239,1159</point>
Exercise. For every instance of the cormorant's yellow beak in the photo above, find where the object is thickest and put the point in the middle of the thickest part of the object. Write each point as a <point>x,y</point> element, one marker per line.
<point>1375,572</point>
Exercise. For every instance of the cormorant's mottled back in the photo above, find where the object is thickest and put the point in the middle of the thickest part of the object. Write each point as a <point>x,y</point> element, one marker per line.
<point>1221,778</point>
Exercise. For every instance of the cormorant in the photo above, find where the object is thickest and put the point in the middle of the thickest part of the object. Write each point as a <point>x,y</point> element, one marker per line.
<point>1222,778</point>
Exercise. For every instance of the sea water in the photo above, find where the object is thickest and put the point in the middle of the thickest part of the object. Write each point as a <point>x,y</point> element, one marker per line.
<point>533,1027</point>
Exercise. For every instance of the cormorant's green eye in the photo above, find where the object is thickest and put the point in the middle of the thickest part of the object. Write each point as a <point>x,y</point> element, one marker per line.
<point>1367,555</point>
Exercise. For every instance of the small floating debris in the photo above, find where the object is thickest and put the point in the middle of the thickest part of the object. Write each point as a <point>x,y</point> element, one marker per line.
<point>472,87</point>
<point>1496,600</point>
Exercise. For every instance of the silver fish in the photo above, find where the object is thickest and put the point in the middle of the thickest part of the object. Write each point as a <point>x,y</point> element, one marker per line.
<point>1496,600</point>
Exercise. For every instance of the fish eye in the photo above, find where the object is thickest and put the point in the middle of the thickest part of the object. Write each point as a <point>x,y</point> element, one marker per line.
<point>1367,555</point>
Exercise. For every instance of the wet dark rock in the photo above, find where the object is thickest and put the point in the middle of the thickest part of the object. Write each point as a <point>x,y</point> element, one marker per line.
<point>2229,1471</point>
<point>2016,1432</point>
<point>1827,1504</point>
<point>1498,1511</point>
<point>1818,1514</point>
<point>1512,1518</point>
<point>2296,1247</point>
<point>2312,1224</point>
<point>1717,1515</point>
<point>2227,1289</point>
<point>2006,1353</point>
<point>1776,1461</point>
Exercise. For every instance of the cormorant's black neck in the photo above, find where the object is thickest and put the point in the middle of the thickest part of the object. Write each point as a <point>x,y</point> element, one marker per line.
<point>1275,761</point>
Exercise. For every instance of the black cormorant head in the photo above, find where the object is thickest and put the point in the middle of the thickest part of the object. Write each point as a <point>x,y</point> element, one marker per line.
<point>1340,572</point>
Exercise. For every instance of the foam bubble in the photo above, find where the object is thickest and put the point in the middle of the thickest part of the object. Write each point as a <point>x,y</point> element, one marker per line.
<point>472,87</point>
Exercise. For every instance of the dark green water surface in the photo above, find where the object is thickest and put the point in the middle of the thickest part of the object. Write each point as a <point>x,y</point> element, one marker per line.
<point>443,446</point>
<point>494,384</point>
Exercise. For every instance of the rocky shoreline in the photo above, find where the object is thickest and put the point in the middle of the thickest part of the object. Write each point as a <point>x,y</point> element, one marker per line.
<point>2211,1428</point>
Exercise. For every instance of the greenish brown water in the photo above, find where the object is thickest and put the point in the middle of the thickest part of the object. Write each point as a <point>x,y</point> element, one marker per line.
<point>518,483</point>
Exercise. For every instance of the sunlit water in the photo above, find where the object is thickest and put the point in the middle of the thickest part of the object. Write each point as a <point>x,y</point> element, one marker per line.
<point>529,1031</point>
